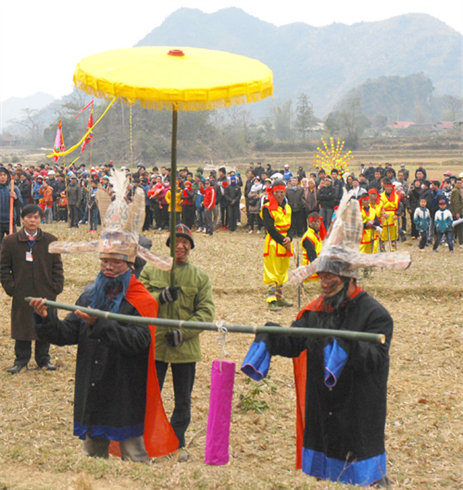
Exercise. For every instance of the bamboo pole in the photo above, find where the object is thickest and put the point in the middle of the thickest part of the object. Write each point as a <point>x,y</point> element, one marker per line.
<point>250,329</point>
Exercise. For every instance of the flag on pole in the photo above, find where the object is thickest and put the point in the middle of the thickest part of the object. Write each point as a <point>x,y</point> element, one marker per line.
<point>59,143</point>
<point>89,131</point>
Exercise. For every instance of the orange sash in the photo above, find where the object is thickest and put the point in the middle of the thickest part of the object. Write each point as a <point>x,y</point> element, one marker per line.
<point>300,378</point>
<point>160,438</point>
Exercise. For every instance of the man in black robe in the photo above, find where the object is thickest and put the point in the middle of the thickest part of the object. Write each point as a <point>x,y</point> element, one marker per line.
<point>341,385</point>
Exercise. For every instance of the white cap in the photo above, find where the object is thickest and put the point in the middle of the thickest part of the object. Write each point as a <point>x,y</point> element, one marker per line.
<point>123,168</point>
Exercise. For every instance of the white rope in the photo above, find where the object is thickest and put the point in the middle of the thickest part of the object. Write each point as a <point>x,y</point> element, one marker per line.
<point>222,340</point>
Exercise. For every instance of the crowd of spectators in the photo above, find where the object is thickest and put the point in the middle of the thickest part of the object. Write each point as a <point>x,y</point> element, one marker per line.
<point>213,200</point>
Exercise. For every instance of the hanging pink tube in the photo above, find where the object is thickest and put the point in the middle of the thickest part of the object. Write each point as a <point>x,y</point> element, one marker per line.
<point>220,406</point>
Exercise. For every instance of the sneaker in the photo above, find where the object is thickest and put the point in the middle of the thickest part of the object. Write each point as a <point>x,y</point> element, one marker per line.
<point>272,306</point>
<point>199,230</point>
<point>258,232</point>
<point>204,230</point>
<point>451,251</point>
<point>224,228</point>
<point>284,302</point>
<point>88,231</point>
<point>250,232</point>
<point>434,250</point>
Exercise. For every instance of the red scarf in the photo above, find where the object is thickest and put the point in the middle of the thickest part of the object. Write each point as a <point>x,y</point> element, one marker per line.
<point>300,377</point>
<point>273,203</point>
<point>160,439</point>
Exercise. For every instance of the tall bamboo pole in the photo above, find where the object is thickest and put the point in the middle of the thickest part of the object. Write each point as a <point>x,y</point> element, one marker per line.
<point>250,329</point>
<point>173,194</point>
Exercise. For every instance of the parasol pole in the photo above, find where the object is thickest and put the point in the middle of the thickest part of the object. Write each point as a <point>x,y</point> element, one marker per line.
<point>235,328</point>
<point>173,193</point>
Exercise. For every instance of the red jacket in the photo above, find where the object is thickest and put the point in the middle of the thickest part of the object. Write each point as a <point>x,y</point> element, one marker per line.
<point>209,198</point>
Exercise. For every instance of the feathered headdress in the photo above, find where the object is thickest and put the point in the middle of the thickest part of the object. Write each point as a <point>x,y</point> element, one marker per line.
<point>122,224</point>
<point>341,255</point>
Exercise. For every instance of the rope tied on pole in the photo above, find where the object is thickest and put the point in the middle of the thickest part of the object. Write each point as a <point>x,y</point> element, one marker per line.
<point>221,339</point>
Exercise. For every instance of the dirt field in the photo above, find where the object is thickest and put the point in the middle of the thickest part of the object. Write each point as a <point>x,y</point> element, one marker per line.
<point>424,438</point>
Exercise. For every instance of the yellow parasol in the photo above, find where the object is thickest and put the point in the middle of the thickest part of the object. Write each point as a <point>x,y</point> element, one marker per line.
<point>161,77</point>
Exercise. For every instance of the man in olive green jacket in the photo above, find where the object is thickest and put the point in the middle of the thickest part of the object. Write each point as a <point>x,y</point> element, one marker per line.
<point>191,299</point>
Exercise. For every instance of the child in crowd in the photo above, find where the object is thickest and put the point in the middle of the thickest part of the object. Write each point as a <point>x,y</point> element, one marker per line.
<point>92,206</point>
<point>443,221</point>
<point>63,207</point>
<point>422,219</point>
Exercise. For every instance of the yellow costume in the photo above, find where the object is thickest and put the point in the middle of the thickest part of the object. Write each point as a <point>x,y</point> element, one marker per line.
<point>178,201</point>
<point>390,205</point>
<point>369,242</point>
<point>313,236</point>
<point>276,257</point>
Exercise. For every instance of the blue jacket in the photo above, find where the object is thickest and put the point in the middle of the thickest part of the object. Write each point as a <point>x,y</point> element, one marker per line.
<point>422,218</point>
<point>36,190</point>
<point>436,197</point>
<point>287,175</point>
<point>443,220</point>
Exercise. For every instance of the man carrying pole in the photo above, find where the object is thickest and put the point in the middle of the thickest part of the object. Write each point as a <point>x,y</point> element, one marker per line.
<point>116,394</point>
<point>341,385</point>
<point>189,299</point>
<point>10,202</point>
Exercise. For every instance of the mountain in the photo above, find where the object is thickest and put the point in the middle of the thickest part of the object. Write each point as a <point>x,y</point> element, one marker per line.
<point>324,62</point>
<point>13,108</point>
<point>396,98</point>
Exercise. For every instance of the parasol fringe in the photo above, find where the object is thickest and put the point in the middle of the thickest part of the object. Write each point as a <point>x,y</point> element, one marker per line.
<point>168,105</point>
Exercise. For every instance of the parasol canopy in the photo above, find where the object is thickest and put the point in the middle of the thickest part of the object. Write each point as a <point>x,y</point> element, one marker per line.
<point>177,79</point>
<point>160,77</point>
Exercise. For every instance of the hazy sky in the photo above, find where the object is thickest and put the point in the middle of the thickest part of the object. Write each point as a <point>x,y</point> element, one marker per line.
<point>41,41</point>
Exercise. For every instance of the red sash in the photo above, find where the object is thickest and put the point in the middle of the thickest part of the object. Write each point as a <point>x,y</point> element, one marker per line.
<point>159,436</point>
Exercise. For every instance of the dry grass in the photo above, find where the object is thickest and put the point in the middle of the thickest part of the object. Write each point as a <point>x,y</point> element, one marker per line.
<point>425,410</point>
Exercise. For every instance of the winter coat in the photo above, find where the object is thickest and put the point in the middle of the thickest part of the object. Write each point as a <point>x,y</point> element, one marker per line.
<point>195,303</point>
<point>326,197</point>
<point>43,277</point>
<point>456,203</point>
<point>74,194</point>
<point>422,218</point>
<point>111,370</point>
<point>5,200</point>
<point>443,220</point>
<point>294,196</point>
<point>24,187</point>
<point>232,195</point>
<point>36,190</point>
<point>254,201</point>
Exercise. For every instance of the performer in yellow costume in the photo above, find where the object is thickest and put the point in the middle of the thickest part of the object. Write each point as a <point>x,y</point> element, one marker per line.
<point>311,243</point>
<point>276,215</point>
<point>390,202</point>
<point>371,228</point>
<point>377,205</point>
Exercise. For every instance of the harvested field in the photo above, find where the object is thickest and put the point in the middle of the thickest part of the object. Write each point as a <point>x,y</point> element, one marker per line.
<point>425,407</point>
